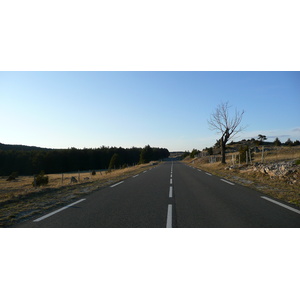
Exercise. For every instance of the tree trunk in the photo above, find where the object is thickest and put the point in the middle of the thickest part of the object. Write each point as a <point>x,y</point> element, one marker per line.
<point>223,142</point>
<point>223,147</point>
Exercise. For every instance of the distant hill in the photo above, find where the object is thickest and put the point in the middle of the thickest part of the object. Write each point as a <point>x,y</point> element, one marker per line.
<point>20,147</point>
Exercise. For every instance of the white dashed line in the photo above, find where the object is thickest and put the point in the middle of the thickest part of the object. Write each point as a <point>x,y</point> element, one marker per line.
<point>227,181</point>
<point>135,176</point>
<point>208,174</point>
<point>171,192</point>
<point>116,184</point>
<point>57,211</point>
<point>169,216</point>
<point>171,181</point>
<point>280,204</point>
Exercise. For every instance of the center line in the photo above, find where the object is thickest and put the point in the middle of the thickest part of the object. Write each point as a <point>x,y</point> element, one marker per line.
<point>171,181</point>
<point>171,192</point>
<point>169,216</point>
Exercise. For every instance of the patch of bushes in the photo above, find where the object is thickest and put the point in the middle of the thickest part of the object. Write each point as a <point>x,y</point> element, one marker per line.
<point>41,179</point>
<point>12,176</point>
<point>244,154</point>
<point>114,162</point>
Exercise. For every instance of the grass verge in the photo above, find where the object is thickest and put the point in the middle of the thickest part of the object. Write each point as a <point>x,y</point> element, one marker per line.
<point>20,201</point>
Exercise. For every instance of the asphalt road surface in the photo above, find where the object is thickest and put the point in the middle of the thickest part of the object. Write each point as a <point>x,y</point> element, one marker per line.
<point>172,195</point>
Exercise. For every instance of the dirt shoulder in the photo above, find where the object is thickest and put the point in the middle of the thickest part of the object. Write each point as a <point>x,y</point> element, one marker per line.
<point>284,186</point>
<point>19,200</point>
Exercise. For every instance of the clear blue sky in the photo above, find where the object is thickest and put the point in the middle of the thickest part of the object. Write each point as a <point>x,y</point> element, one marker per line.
<point>163,109</point>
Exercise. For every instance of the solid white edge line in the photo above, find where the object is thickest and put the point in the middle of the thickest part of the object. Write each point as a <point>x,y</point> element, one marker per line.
<point>169,216</point>
<point>171,192</point>
<point>116,184</point>
<point>280,204</point>
<point>57,211</point>
<point>208,174</point>
<point>227,181</point>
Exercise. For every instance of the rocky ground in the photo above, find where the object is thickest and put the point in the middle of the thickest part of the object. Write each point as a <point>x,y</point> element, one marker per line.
<point>287,171</point>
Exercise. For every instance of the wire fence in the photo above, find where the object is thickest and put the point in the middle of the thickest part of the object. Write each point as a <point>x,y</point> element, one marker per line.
<point>255,155</point>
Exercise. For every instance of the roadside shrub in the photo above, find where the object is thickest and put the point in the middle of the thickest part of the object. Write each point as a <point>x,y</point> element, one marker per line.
<point>277,142</point>
<point>12,176</point>
<point>94,173</point>
<point>194,153</point>
<point>41,179</point>
<point>243,150</point>
<point>114,162</point>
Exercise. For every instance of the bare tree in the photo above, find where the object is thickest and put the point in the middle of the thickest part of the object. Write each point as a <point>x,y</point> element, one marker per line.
<point>227,126</point>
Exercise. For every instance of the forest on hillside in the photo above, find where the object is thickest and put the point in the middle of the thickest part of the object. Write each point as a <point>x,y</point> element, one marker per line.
<point>33,161</point>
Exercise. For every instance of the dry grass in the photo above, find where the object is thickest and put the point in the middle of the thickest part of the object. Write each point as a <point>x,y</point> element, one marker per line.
<point>23,185</point>
<point>272,155</point>
<point>279,189</point>
<point>19,200</point>
<point>279,154</point>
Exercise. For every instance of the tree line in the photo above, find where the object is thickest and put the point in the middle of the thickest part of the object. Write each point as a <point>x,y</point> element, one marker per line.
<point>30,162</point>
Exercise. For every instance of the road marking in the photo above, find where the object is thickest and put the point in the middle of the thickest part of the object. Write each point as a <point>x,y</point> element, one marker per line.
<point>57,211</point>
<point>116,184</point>
<point>199,170</point>
<point>171,192</point>
<point>135,176</point>
<point>171,175</point>
<point>227,181</point>
<point>144,171</point>
<point>169,216</point>
<point>283,205</point>
<point>171,181</point>
<point>208,174</point>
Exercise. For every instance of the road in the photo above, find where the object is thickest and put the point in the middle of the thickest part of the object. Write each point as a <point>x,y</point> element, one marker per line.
<point>172,194</point>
